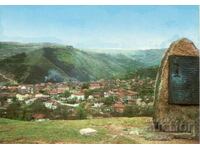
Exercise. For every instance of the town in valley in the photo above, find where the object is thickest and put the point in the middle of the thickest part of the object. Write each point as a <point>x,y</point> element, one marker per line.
<point>78,100</point>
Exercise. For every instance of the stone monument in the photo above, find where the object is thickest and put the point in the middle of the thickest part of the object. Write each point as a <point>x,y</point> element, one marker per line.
<point>176,101</point>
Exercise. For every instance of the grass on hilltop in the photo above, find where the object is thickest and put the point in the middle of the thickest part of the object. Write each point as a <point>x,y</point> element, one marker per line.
<point>109,130</point>
<point>64,131</point>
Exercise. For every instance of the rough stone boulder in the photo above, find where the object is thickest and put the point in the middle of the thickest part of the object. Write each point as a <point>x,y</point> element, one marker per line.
<point>174,117</point>
<point>88,131</point>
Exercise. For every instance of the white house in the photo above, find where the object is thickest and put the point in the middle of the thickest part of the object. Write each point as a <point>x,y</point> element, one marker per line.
<point>79,96</point>
<point>70,105</point>
<point>30,101</point>
<point>97,105</point>
<point>22,89</point>
<point>51,104</point>
<point>9,101</point>
<point>90,97</point>
<point>41,96</point>
<point>22,97</point>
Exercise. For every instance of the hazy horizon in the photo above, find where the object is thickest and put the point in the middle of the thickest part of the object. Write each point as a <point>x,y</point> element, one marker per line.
<point>97,28</point>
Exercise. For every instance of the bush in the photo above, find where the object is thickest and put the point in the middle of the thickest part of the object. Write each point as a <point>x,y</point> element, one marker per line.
<point>131,111</point>
<point>147,111</point>
<point>61,112</point>
<point>134,111</point>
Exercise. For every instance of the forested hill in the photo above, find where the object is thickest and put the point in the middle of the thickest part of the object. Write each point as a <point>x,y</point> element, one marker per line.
<point>33,63</point>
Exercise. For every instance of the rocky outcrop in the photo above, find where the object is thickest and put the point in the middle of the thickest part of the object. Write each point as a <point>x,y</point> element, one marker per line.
<point>88,131</point>
<point>174,117</point>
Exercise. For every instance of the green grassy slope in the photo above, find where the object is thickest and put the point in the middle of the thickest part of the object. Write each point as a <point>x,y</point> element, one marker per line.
<point>135,130</point>
<point>66,131</point>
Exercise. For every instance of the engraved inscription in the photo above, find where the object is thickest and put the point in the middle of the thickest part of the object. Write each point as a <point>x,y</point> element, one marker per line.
<point>183,80</point>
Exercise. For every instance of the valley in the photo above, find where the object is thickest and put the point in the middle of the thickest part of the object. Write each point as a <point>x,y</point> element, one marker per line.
<point>62,82</point>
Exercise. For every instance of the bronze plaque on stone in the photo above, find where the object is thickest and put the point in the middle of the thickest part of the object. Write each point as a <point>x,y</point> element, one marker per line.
<point>184,80</point>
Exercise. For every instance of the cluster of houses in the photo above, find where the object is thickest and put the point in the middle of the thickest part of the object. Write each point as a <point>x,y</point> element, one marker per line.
<point>72,94</point>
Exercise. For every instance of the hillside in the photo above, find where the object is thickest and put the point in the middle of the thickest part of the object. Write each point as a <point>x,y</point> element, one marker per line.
<point>32,63</point>
<point>8,49</point>
<point>133,130</point>
<point>149,57</point>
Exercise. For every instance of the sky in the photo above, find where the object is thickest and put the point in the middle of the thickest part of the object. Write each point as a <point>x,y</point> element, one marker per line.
<point>100,27</point>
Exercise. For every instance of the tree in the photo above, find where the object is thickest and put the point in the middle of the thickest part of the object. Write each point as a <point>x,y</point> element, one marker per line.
<point>13,110</point>
<point>38,107</point>
<point>67,94</point>
<point>26,113</point>
<point>42,91</point>
<point>85,86</point>
<point>108,101</point>
<point>81,113</point>
<point>87,93</point>
<point>61,112</point>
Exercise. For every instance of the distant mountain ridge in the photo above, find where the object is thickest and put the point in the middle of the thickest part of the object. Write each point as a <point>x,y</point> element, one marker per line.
<point>33,63</point>
<point>149,57</point>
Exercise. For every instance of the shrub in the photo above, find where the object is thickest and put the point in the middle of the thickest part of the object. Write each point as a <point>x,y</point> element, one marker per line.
<point>131,111</point>
<point>134,110</point>
<point>146,111</point>
<point>61,112</point>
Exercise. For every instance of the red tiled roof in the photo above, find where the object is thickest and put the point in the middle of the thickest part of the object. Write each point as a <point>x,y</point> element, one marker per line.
<point>118,105</point>
<point>39,116</point>
<point>78,94</point>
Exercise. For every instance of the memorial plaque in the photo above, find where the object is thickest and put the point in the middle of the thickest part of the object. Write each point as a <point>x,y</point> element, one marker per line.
<point>184,80</point>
